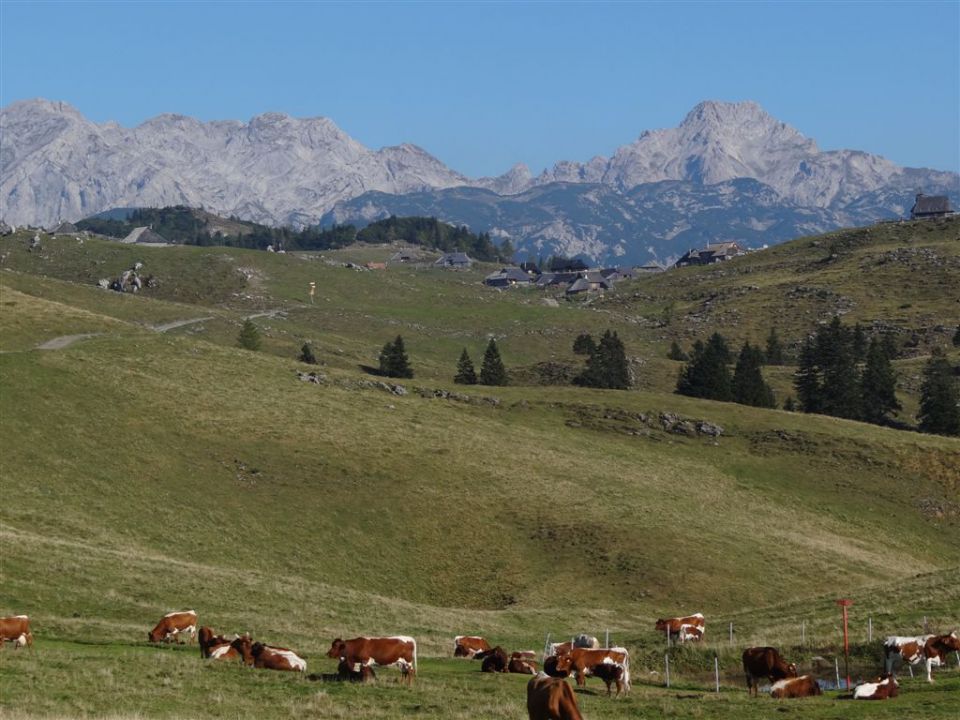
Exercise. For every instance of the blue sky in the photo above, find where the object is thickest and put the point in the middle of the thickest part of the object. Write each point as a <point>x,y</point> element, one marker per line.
<point>484,85</point>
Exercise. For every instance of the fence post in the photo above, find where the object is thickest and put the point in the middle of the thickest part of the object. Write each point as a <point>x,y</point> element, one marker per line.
<point>836,668</point>
<point>910,668</point>
<point>546,646</point>
<point>668,638</point>
<point>870,629</point>
<point>666,664</point>
<point>606,642</point>
<point>803,633</point>
<point>925,626</point>
<point>716,671</point>
<point>957,653</point>
<point>731,633</point>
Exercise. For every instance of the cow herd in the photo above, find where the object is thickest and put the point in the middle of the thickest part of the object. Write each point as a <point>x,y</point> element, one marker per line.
<point>549,696</point>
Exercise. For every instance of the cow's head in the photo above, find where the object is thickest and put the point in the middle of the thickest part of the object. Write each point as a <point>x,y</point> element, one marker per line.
<point>564,663</point>
<point>951,641</point>
<point>791,670</point>
<point>337,649</point>
<point>243,646</point>
<point>155,635</point>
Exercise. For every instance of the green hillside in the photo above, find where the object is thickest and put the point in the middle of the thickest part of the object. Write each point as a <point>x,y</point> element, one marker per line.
<point>161,467</point>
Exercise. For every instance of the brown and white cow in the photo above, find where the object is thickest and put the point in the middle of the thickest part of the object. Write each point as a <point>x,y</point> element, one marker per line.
<point>673,626</point>
<point>551,699</point>
<point>16,629</point>
<point>803,686</point>
<point>355,673</point>
<point>936,649</point>
<point>469,645</point>
<point>885,686</point>
<point>520,665</point>
<point>909,648</point>
<point>610,674</point>
<point>550,667</point>
<point>581,661</point>
<point>172,624</point>
<point>268,657</point>
<point>399,650</point>
<point>690,633</point>
<point>216,647</point>
<point>765,662</point>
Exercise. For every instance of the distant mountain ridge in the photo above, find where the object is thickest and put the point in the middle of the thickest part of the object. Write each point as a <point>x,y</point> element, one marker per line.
<point>667,188</point>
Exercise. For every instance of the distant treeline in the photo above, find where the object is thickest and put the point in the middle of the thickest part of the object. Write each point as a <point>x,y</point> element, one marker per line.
<point>181,224</point>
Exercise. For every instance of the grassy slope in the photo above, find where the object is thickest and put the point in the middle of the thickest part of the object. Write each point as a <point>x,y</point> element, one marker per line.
<point>160,471</point>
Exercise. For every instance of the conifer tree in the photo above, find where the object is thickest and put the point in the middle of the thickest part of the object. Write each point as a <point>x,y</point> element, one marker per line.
<point>676,353</point>
<point>707,374</point>
<point>939,397</point>
<point>607,365</point>
<point>790,405</point>
<point>807,379</point>
<point>956,337</point>
<point>492,372</point>
<point>466,375</point>
<point>878,384</point>
<point>749,387</point>
<point>840,384</point>
<point>774,353</point>
<point>859,343</point>
<point>249,337</point>
<point>307,355</point>
<point>584,344</point>
<point>394,361</point>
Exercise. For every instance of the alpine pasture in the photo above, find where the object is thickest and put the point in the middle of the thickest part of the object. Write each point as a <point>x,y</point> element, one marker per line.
<point>151,466</point>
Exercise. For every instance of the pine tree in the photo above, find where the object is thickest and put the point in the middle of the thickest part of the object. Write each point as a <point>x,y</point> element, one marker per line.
<point>749,387</point>
<point>466,375</point>
<point>807,379</point>
<point>859,343</point>
<point>306,355</point>
<point>249,337</point>
<point>492,372</point>
<point>774,353</point>
<point>616,369</point>
<point>707,374</point>
<point>939,397</point>
<point>676,353</point>
<point>394,361</point>
<point>878,384</point>
<point>840,385</point>
<point>584,345</point>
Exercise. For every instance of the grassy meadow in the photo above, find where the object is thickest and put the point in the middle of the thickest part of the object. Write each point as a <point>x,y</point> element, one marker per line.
<point>159,469</point>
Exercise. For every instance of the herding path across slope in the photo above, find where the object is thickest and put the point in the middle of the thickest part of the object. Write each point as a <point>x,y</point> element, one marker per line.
<point>58,343</point>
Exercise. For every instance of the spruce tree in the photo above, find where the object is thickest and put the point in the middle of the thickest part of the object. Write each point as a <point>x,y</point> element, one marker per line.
<point>492,372</point>
<point>394,361</point>
<point>249,337</point>
<point>790,405</point>
<point>859,343</point>
<point>707,374</point>
<point>807,379</point>
<point>584,345</point>
<point>939,397</point>
<point>774,353</point>
<point>840,385</point>
<point>749,387</point>
<point>676,353</point>
<point>466,375</point>
<point>614,358</point>
<point>878,384</point>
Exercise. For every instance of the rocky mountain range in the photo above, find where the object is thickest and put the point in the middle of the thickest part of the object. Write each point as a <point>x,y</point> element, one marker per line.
<point>728,171</point>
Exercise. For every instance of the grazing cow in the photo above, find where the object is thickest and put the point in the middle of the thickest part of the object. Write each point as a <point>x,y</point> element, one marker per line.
<point>803,686</point>
<point>765,662</point>
<point>551,699</point>
<point>690,632</point>
<point>469,645</point>
<point>908,648</point>
<point>551,669</point>
<point>672,626</point>
<point>610,674</point>
<point>268,657</point>
<point>355,673</point>
<point>885,686</point>
<point>936,649</point>
<point>399,650</point>
<point>520,665</point>
<point>494,660</point>
<point>172,624</point>
<point>14,628</point>
<point>581,661</point>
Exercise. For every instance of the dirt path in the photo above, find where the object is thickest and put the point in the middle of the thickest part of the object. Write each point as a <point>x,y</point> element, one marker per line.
<point>268,313</point>
<point>178,323</point>
<point>58,343</point>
